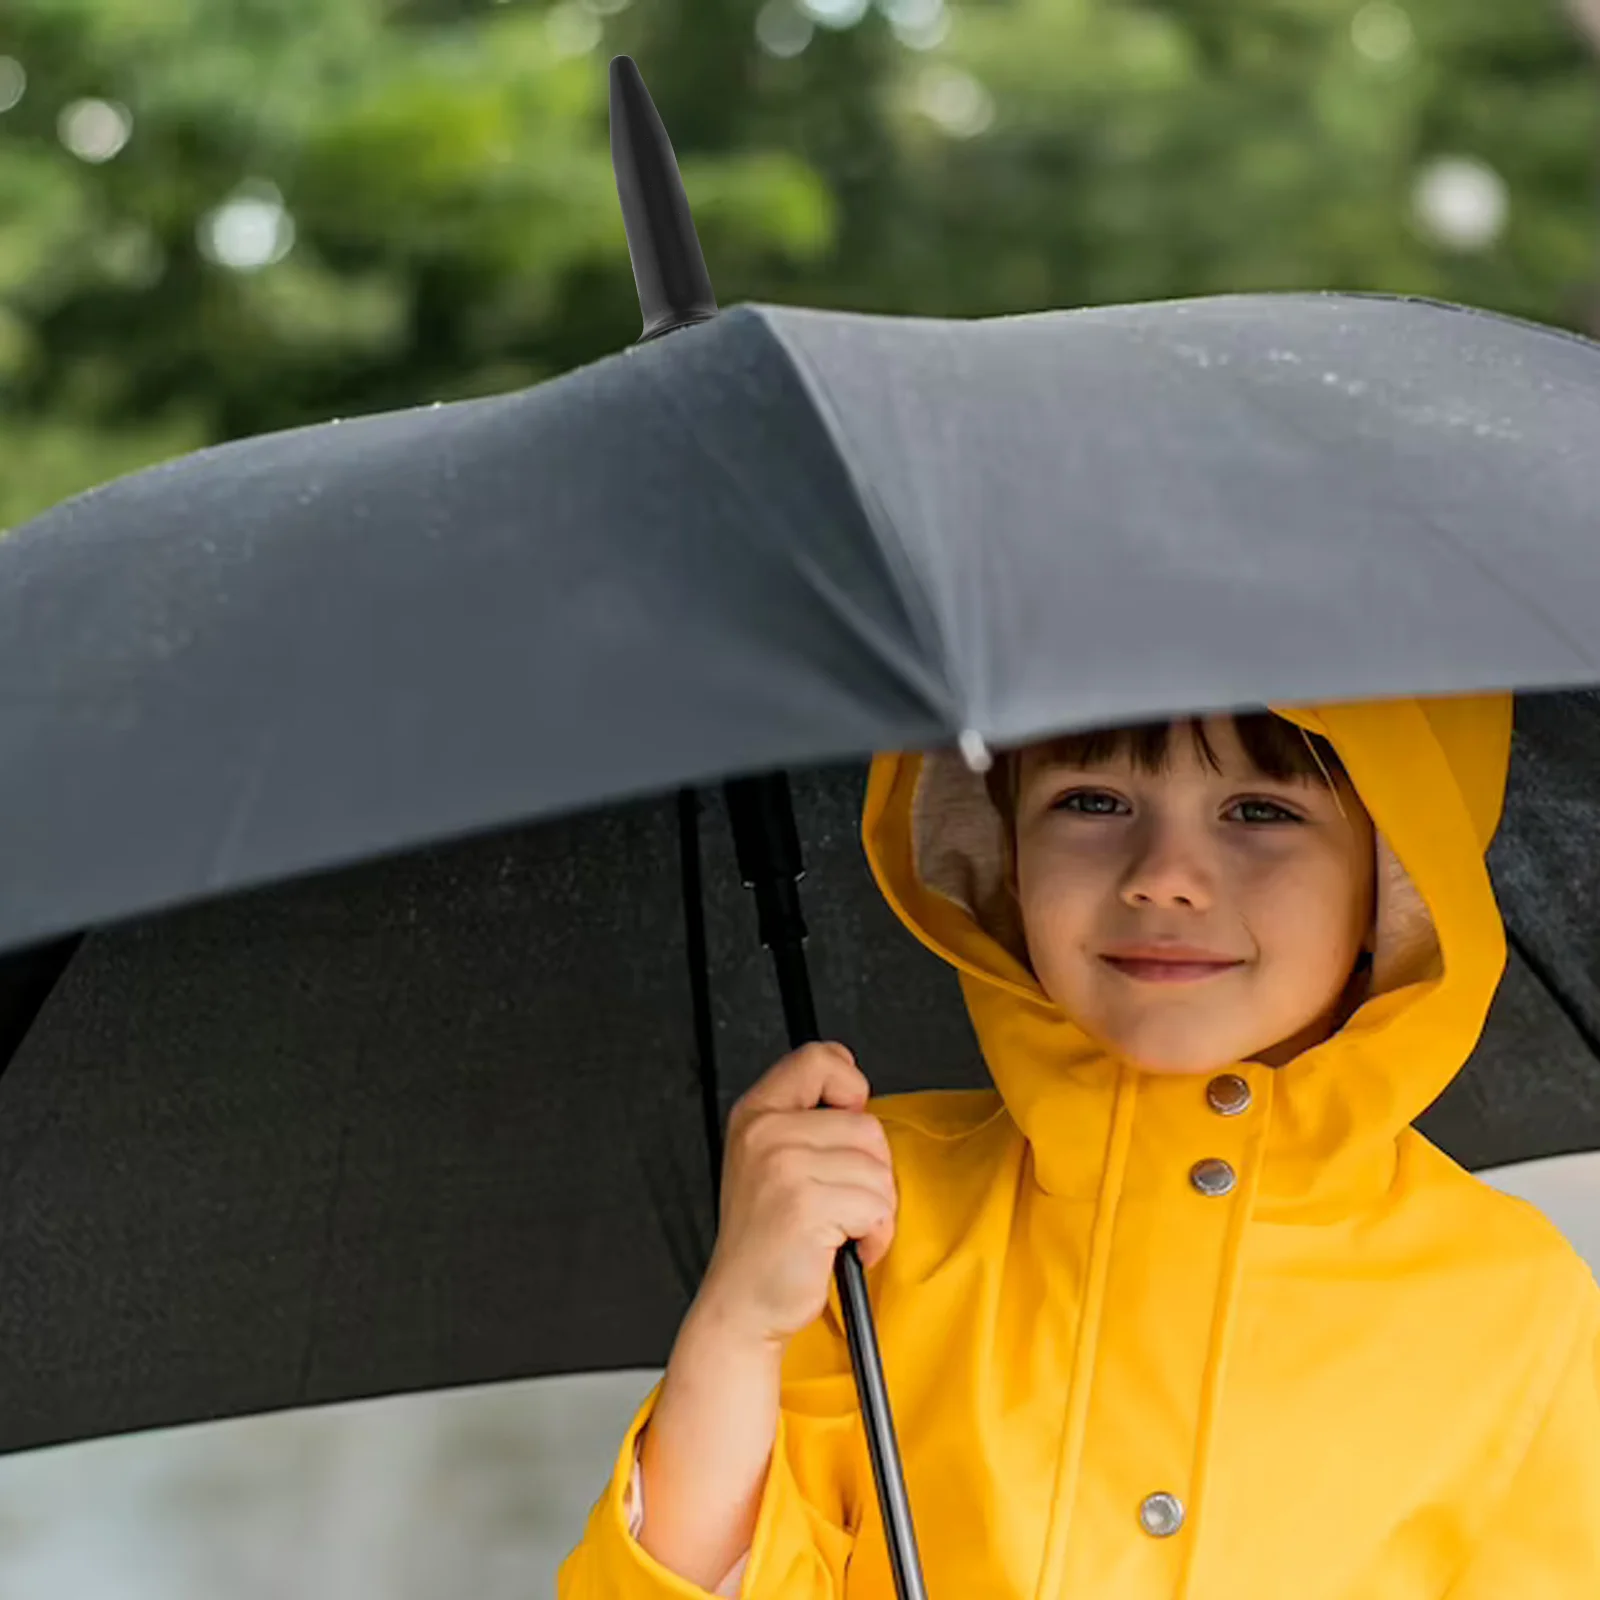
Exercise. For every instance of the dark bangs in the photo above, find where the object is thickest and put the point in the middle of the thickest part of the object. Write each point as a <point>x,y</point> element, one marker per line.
<point>1276,748</point>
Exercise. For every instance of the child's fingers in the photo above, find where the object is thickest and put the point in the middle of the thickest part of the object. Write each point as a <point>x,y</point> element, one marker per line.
<point>815,1074</point>
<point>843,1212</point>
<point>798,1175</point>
<point>824,1128</point>
<point>873,1245</point>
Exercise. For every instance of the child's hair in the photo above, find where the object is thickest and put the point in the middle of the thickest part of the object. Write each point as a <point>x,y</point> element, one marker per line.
<point>1277,748</point>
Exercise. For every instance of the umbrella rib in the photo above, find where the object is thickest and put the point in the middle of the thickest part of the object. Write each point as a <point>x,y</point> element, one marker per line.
<point>922,614</point>
<point>929,691</point>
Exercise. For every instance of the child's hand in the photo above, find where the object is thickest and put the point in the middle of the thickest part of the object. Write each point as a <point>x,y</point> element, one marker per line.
<point>797,1182</point>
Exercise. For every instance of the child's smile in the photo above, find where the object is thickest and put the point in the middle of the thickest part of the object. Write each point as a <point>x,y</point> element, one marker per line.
<point>1143,969</point>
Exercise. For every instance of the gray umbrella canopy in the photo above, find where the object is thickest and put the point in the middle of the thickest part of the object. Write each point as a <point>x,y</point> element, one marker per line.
<point>778,538</point>
<point>431,1111</point>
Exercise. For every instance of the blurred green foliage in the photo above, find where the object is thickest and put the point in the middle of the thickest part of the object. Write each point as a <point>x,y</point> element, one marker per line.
<point>219,217</point>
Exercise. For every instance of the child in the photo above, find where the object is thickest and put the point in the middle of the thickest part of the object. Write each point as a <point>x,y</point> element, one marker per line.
<point>1186,1310</point>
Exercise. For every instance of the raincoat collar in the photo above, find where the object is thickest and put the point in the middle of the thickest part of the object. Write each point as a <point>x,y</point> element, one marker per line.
<point>1432,775</point>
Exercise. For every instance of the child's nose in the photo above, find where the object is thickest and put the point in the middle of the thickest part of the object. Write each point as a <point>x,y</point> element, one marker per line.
<point>1169,871</point>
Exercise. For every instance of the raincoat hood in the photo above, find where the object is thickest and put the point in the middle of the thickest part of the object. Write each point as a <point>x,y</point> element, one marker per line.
<point>1432,775</point>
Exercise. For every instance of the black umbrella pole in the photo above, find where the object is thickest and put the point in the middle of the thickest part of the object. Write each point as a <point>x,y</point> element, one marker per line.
<point>768,848</point>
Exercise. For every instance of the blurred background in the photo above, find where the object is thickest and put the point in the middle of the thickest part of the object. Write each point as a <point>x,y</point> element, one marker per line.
<point>221,217</point>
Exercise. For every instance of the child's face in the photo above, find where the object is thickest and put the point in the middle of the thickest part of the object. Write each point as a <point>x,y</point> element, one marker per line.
<point>1270,875</point>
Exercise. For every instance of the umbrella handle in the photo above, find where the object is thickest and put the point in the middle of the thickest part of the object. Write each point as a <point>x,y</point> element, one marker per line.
<point>768,848</point>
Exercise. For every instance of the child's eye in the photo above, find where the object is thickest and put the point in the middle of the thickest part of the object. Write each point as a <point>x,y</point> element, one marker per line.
<point>1088,803</point>
<point>1277,813</point>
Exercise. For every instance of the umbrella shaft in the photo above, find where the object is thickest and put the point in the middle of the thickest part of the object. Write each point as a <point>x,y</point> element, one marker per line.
<point>899,1531</point>
<point>799,1010</point>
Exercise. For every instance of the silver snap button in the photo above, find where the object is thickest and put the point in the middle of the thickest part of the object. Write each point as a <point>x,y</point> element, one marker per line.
<point>1228,1095</point>
<point>1212,1177</point>
<point>1161,1515</point>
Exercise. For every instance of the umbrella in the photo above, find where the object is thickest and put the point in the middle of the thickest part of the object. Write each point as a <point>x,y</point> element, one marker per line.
<point>362,749</point>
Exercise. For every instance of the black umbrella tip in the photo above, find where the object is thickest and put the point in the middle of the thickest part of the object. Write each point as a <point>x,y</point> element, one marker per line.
<point>668,269</point>
<point>624,74</point>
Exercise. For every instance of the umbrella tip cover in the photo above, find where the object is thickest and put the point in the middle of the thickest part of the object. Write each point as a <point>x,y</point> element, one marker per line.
<point>669,269</point>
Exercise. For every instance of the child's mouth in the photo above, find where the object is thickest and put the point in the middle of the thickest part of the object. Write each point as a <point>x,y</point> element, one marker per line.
<point>1169,971</point>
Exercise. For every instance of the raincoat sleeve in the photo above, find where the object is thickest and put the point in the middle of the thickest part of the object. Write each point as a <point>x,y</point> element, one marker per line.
<point>810,1505</point>
<point>633,1509</point>
<point>1542,1539</point>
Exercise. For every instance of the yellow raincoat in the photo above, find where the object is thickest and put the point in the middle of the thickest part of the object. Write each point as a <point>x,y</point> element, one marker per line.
<point>1358,1373</point>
